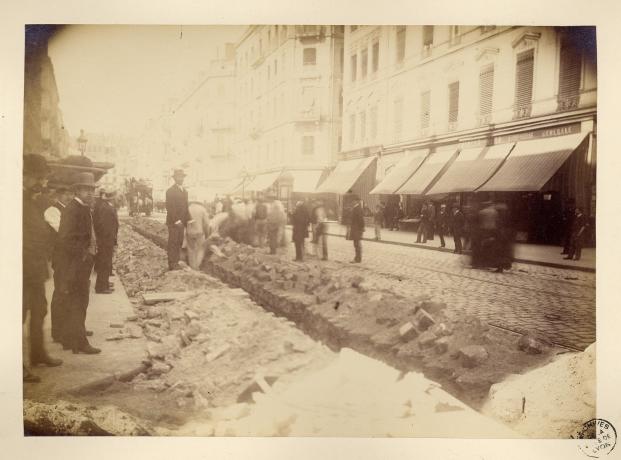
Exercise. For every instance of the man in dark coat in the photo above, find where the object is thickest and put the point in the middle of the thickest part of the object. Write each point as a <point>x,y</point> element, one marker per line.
<point>578,235</point>
<point>36,241</point>
<point>300,220</point>
<point>74,256</point>
<point>357,228</point>
<point>106,225</point>
<point>177,217</point>
<point>423,225</point>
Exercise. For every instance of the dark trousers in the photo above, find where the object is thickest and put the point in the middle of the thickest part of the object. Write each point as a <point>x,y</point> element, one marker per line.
<point>34,301</point>
<point>77,303</point>
<point>58,311</point>
<point>457,239</point>
<point>441,235</point>
<point>175,241</point>
<point>357,250</point>
<point>103,267</point>
<point>299,249</point>
<point>422,232</point>
<point>575,248</point>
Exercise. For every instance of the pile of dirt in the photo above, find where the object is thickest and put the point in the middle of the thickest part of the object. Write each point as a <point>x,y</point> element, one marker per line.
<point>344,309</point>
<point>549,402</point>
<point>73,419</point>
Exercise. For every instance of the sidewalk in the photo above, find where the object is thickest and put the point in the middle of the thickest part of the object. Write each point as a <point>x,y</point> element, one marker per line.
<point>116,357</point>
<point>525,253</point>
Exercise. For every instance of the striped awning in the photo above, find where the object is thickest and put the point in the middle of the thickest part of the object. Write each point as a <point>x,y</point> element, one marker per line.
<point>427,172</point>
<point>471,169</point>
<point>401,172</point>
<point>345,175</point>
<point>532,163</point>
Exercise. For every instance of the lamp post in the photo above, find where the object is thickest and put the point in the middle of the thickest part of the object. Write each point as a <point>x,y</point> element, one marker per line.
<point>82,141</point>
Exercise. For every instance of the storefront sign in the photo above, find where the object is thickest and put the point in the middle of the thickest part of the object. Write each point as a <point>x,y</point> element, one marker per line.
<point>540,133</point>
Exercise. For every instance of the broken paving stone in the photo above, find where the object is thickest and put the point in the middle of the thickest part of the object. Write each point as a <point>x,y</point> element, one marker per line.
<point>215,354</point>
<point>441,329</point>
<point>530,345</point>
<point>193,329</point>
<point>407,332</point>
<point>442,345</point>
<point>473,355</point>
<point>426,339</point>
<point>113,337</point>
<point>116,325</point>
<point>190,315</point>
<point>159,368</point>
<point>185,340</point>
<point>423,320</point>
<point>132,318</point>
<point>356,280</point>
<point>135,332</point>
<point>446,407</point>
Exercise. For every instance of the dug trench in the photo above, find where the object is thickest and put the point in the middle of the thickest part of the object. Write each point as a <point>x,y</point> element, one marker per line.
<point>335,305</point>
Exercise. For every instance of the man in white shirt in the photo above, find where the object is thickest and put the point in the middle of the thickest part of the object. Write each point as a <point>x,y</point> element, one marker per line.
<point>62,196</point>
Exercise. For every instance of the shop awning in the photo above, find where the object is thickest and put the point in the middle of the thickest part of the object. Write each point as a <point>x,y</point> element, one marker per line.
<point>235,186</point>
<point>427,172</point>
<point>401,172</point>
<point>345,175</point>
<point>262,182</point>
<point>305,181</point>
<point>532,163</point>
<point>471,169</point>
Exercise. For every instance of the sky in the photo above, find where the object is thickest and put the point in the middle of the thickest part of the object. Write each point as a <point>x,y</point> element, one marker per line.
<point>112,79</point>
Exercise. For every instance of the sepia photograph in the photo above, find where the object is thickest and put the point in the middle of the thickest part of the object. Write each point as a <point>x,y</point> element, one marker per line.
<point>281,230</point>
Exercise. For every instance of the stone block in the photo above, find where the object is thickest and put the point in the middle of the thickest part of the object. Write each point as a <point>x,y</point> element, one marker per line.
<point>159,368</point>
<point>473,355</point>
<point>442,329</point>
<point>356,280</point>
<point>407,332</point>
<point>423,320</point>
<point>530,345</point>
<point>190,315</point>
<point>442,345</point>
<point>427,339</point>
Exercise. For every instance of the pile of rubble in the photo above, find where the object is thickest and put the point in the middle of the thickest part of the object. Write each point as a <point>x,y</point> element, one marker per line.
<point>345,310</point>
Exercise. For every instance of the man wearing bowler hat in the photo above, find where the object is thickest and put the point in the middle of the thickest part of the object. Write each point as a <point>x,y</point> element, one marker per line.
<point>75,252</point>
<point>106,225</point>
<point>36,242</point>
<point>177,217</point>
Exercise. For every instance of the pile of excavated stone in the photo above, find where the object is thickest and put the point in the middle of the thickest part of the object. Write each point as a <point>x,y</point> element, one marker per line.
<point>421,333</point>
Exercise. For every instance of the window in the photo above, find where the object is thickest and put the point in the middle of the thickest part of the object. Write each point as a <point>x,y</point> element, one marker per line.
<point>364,61</point>
<point>453,103</point>
<point>373,122</point>
<point>352,128</point>
<point>425,109</point>
<point>400,43</point>
<point>569,76</point>
<point>310,56</point>
<point>427,40</point>
<point>354,66</point>
<point>283,33</point>
<point>486,93</point>
<point>397,118</point>
<point>363,125</point>
<point>524,83</point>
<point>308,145</point>
<point>455,37</point>
<point>375,57</point>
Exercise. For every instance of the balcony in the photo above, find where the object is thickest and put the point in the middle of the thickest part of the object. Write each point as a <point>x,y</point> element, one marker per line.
<point>310,34</point>
<point>485,119</point>
<point>566,103</point>
<point>522,112</point>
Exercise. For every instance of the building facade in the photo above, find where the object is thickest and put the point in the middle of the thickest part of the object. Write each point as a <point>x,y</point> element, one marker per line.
<point>422,90</point>
<point>288,105</point>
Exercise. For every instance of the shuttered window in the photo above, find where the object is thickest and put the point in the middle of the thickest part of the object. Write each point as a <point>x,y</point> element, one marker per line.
<point>375,56</point>
<point>400,43</point>
<point>425,109</point>
<point>427,35</point>
<point>486,92</point>
<point>363,125</point>
<point>364,62</point>
<point>569,77</point>
<point>524,83</point>
<point>310,56</point>
<point>453,110</point>
<point>353,66</point>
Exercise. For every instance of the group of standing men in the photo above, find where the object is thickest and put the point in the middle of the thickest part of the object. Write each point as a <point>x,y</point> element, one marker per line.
<point>65,232</point>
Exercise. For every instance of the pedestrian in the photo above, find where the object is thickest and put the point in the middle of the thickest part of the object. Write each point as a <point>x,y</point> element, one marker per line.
<point>320,231</point>
<point>177,217</point>
<point>398,214</point>
<point>357,229</point>
<point>196,233</point>
<point>106,225</point>
<point>458,222</point>
<point>431,222</point>
<point>567,218</point>
<point>74,258</point>
<point>53,216</point>
<point>276,221</point>
<point>36,241</point>
<point>442,224</point>
<point>421,236</point>
<point>300,220</point>
<point>578,235</point>
<point>377,221</point>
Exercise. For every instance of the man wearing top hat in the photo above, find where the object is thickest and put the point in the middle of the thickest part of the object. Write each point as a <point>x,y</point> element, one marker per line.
<point>106,225</point>
<point>74,256</point>
<point>36,241</point>
<point>177,217</point>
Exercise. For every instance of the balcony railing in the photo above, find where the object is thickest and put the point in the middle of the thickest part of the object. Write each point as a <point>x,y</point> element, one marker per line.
<point>522,112</point>
<point>309,33</point>
<point>568,103</point>
<point>485,119</point>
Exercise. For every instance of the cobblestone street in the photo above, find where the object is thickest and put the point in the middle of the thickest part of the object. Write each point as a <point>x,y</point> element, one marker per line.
<point>555,304</point>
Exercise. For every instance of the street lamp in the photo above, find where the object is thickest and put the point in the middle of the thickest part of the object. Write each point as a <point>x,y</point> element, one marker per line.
<point>82,140</point>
